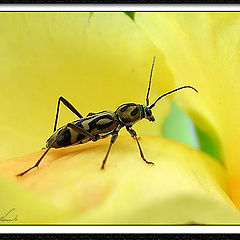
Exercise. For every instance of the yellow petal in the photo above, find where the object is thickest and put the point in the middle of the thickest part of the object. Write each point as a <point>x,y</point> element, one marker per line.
<point>202,50</point>
<point>21,206</point>
<point>96,60</point>
<point>184,186</point>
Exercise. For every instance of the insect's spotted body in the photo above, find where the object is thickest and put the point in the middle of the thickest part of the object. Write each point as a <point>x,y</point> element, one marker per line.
<point>100,125</point>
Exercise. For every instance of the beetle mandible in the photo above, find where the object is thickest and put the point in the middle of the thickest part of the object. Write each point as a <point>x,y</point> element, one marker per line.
<point>100,125</point>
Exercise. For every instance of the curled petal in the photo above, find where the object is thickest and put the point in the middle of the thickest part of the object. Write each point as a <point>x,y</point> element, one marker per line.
<point>202,49</point>
<point>184,186</point>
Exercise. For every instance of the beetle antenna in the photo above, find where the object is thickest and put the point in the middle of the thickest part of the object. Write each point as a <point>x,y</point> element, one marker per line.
<point>165,94</point>
<point>150,81</point>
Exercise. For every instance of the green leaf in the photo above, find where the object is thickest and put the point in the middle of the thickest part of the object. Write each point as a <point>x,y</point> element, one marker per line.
<point>131,15</point>
<point>178,126</point>
<point>208,145</point>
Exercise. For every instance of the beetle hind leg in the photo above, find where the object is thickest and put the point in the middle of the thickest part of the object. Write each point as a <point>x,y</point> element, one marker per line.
<point>69,125</point>
<point>69,106</point>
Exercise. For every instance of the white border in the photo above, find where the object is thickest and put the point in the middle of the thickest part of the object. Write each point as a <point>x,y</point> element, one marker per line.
<point>120,7</point>
<point>120,229</point>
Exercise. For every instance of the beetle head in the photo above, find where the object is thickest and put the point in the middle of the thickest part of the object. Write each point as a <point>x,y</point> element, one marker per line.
<point>147,113</point>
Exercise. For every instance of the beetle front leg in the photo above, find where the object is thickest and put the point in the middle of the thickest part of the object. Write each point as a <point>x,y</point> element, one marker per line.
<point>113,139</point>
<point>134,136</point>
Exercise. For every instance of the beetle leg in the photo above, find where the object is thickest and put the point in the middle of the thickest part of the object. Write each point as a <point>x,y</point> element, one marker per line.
<point>69,106</point>
<point>69,125</point>
<point>113,139</point>
<point>134,136</point>
<point>82,131</point>
<point>91,113</point>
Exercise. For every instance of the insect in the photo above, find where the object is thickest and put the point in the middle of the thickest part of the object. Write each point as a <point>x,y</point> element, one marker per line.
<point>102,124</point>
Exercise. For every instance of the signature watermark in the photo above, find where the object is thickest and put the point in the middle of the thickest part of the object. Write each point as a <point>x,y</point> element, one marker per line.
<point>9,216</point>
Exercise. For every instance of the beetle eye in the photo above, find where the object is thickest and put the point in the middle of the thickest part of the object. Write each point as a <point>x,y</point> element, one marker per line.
<point>148,112</point>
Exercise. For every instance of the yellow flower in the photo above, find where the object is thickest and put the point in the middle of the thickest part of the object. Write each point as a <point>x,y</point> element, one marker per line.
<point>202,49</point>
<point>99,61</point>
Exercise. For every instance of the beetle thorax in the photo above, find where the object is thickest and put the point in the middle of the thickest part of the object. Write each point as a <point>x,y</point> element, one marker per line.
<point>129,113</point>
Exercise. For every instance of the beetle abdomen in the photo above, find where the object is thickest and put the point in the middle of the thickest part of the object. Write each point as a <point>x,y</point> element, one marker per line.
<point>68,138</point>
<point>101,124</point>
